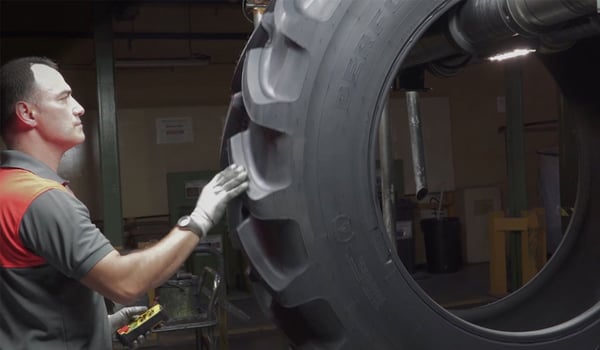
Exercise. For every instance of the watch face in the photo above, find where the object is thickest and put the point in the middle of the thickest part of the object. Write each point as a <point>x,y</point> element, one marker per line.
<point>184,221</point>
<point>187,223</point>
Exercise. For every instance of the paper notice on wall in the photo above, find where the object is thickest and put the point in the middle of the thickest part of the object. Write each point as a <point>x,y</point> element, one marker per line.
<point>194,187</point>
<point>174,130</point>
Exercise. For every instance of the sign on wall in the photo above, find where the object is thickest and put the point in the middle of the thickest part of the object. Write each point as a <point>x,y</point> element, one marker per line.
<point>174,130</point>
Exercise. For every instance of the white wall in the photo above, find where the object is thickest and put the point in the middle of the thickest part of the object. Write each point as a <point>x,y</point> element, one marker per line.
<point>145,163</point>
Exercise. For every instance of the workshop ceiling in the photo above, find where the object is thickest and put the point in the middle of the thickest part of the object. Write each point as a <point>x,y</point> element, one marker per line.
<point>57,28</point>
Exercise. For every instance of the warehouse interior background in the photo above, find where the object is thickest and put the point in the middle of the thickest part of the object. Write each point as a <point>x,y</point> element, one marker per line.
<point>464,122</point>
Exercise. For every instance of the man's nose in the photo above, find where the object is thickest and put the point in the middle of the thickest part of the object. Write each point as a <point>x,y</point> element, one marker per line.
<point>78,110</point>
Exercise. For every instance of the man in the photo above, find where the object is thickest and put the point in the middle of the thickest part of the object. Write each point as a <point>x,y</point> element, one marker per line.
<point>55,265</point>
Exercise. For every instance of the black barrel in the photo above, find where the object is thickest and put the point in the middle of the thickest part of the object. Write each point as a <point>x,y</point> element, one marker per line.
<point>442,244</point>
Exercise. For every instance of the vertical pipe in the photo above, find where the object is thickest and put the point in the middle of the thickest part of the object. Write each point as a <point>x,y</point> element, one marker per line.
<point>387,186</point>
<point>109,148</point>
<point>257,14</point>
<point>515,154</point>
<point>416,143</point>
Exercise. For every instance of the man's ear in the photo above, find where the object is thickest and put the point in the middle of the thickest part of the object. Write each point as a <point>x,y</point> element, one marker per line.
<point>25,114</point>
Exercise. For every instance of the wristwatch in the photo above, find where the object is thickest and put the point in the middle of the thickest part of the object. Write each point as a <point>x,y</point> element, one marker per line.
<point>187,223</point>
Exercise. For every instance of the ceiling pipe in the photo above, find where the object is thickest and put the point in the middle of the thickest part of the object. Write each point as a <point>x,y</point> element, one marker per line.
<point>535,15</point>
<point>481,27</point>
<point>480,23</point>
<point>565,37</point>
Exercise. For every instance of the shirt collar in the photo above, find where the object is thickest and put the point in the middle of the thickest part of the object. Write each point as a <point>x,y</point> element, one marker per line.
<point>17,159</point>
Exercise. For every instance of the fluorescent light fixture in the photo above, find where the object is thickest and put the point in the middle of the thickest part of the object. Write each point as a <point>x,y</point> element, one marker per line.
<point>512,54</point>
<point>162,63</point>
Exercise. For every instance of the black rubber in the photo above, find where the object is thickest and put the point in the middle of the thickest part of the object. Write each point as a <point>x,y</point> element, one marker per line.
<point>303,119</point>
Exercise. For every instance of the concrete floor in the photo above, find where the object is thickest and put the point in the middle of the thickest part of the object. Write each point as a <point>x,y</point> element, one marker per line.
<point>256,333</point>
<point>255,340</point>
<point>467,287</point>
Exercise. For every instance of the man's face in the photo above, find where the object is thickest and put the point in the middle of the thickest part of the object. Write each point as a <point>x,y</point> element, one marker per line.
<point>58,114</point>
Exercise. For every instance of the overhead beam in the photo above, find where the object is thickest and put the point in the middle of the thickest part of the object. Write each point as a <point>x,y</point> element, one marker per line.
<point>129,35</point>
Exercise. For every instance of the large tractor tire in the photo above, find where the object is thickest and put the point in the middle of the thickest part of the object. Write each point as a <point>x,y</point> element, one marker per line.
<point>303,119</point>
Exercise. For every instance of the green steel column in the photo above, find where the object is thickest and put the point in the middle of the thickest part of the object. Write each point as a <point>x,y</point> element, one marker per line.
<point>515,166</point>
<point>109,148</point>
<point>567,159</point>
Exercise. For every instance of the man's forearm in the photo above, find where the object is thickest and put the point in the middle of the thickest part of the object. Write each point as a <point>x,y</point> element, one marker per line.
<point>163,259</point>
<point>124,278</point>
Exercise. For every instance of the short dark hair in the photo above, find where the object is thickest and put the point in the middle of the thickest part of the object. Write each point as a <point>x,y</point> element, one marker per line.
<point>16,82</point>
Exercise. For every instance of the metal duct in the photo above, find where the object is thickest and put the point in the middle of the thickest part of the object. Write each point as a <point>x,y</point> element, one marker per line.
<point>566,37</point>
<point>535,15</point>
<point>480,26</point>
<point>478,23</point>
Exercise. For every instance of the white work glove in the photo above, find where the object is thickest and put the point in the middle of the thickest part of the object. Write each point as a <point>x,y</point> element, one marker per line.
<point>213,200</point>
<point>123,317</point>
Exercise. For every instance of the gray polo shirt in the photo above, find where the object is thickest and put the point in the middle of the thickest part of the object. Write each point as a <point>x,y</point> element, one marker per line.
<point>45,306</point>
